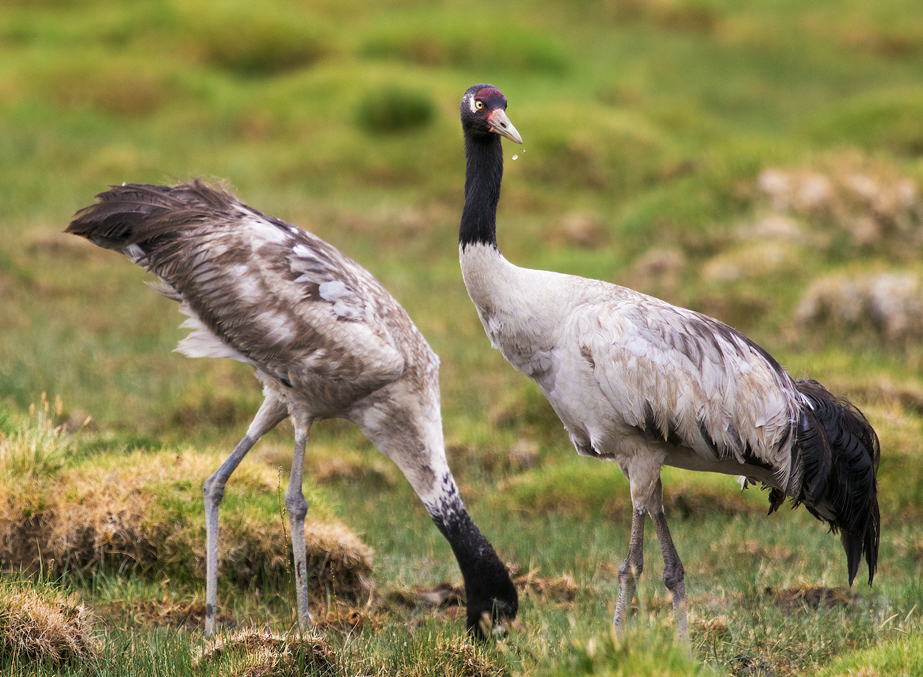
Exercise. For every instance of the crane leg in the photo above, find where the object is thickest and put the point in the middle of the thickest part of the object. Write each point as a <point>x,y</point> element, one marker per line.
<point>270,414</point>
<point>673,573</point>
<point>297,508</point>
<point>630,571</point>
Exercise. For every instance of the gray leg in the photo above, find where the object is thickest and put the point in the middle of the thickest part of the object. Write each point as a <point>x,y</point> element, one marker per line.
<point>673,573</point>
<point>270,414</point>
<point>297,508</point>
<point>629,571</point>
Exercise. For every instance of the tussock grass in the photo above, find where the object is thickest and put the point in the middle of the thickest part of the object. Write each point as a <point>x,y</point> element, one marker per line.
<point>888,306</point>
<point>261,654</point>
<point>850,204</point>
<point>127,90</point>
<point>274,43</point>
<point>39,622</point>
<point>141,513</point>
<point>448,44</point>
<point>431,654</point>
<point>395,109</point>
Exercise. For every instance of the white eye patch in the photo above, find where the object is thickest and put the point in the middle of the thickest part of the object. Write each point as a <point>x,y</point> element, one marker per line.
<point>472,104</point>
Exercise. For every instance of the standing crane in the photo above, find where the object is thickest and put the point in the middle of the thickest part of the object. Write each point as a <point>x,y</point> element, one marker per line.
<point>647,384</point>
<point>324,338</point>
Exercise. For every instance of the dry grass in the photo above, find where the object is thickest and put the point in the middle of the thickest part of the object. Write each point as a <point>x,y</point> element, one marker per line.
<point>810,597</point>
<point>254,653</point>
<point>887,305</point>
<point>261,654</point>
<point>562,589</point>
<point>164,612</point>
<point>752,261</point>
<point>126,91</point>
<point>849,203</point>
<point>658,272</point>
<point>585,230</point>
<point>134,514</point>
<point>672,15</point>
<point>42,624</point>
<point>439,597</point>
<point>459,658</point>
<point>550,588</point>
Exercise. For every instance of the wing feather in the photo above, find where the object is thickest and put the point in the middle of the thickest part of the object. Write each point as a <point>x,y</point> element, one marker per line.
<point>682,376</point>
<point>255,288</point>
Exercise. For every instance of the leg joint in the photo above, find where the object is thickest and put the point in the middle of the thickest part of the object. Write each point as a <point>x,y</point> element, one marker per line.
<point>631,569</point>
<point>213,489</point>
<point>673,574</point>
<point>296,505</point>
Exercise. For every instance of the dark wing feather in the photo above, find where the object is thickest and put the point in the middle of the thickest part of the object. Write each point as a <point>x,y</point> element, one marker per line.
<point>847,495</point>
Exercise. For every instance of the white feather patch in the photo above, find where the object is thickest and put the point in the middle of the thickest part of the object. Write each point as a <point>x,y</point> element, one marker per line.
<point>302,251</point>
<point>134,253</point>
<point>276,326</point>
<point>346,303</point>
<point>332,290</point>
<point>201,342</point>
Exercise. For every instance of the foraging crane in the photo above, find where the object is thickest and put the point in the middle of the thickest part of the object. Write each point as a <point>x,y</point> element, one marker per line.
<point>324,338</point>
<point>647,384</point>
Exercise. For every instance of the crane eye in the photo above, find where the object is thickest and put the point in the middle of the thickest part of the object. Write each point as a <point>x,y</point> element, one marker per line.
<point>479,104</point>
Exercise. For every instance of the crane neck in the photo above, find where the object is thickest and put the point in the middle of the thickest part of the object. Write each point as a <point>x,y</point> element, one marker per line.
<point>483,176</point>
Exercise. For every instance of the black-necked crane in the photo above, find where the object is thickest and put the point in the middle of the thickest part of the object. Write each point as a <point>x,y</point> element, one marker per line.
<point>647,384</point>
<point>324,338</point>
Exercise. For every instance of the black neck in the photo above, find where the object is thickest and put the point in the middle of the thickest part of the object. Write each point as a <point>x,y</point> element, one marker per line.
<point>483,175</point>
<point>488,587</point>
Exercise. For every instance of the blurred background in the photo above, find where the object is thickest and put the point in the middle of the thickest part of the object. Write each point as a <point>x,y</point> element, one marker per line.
<point>758,161</point>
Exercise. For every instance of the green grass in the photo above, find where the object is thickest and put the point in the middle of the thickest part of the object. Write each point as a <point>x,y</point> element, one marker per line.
<point>647,124</point>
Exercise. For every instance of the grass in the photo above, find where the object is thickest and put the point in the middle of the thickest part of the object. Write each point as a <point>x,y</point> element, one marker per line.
<point>746,159</point>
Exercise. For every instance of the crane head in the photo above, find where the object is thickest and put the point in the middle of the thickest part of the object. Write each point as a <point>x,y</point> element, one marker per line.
<point>483,111</point>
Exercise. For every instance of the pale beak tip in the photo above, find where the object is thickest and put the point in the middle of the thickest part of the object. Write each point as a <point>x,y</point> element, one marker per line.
<point>501,124</point>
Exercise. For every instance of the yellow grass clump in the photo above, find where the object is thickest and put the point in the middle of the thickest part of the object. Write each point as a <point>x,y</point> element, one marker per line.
<point>42,624</point>
<point>460,658</point>
<point>888,304</point>
<point>850,200</point>
<point>143,513</point>
<point>261,653</point>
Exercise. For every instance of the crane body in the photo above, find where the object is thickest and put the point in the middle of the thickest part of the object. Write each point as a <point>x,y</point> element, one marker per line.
<point>644,383</point>
<point>324,339</point>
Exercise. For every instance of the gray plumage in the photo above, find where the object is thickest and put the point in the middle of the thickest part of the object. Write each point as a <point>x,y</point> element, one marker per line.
<point>647,384</point>
<point>323,337</point>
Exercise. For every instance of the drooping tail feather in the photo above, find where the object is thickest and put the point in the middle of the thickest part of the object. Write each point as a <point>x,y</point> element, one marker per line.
<point>136,219</point>
<point>839,453</point>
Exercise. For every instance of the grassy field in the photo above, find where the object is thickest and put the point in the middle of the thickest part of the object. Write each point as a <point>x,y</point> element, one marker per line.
<point>757,161</point>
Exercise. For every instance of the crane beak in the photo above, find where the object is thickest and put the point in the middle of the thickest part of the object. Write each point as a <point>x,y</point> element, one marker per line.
<point>501,124</point>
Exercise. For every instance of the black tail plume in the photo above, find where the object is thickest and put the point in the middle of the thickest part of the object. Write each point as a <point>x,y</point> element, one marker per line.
<point>839,453</point>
